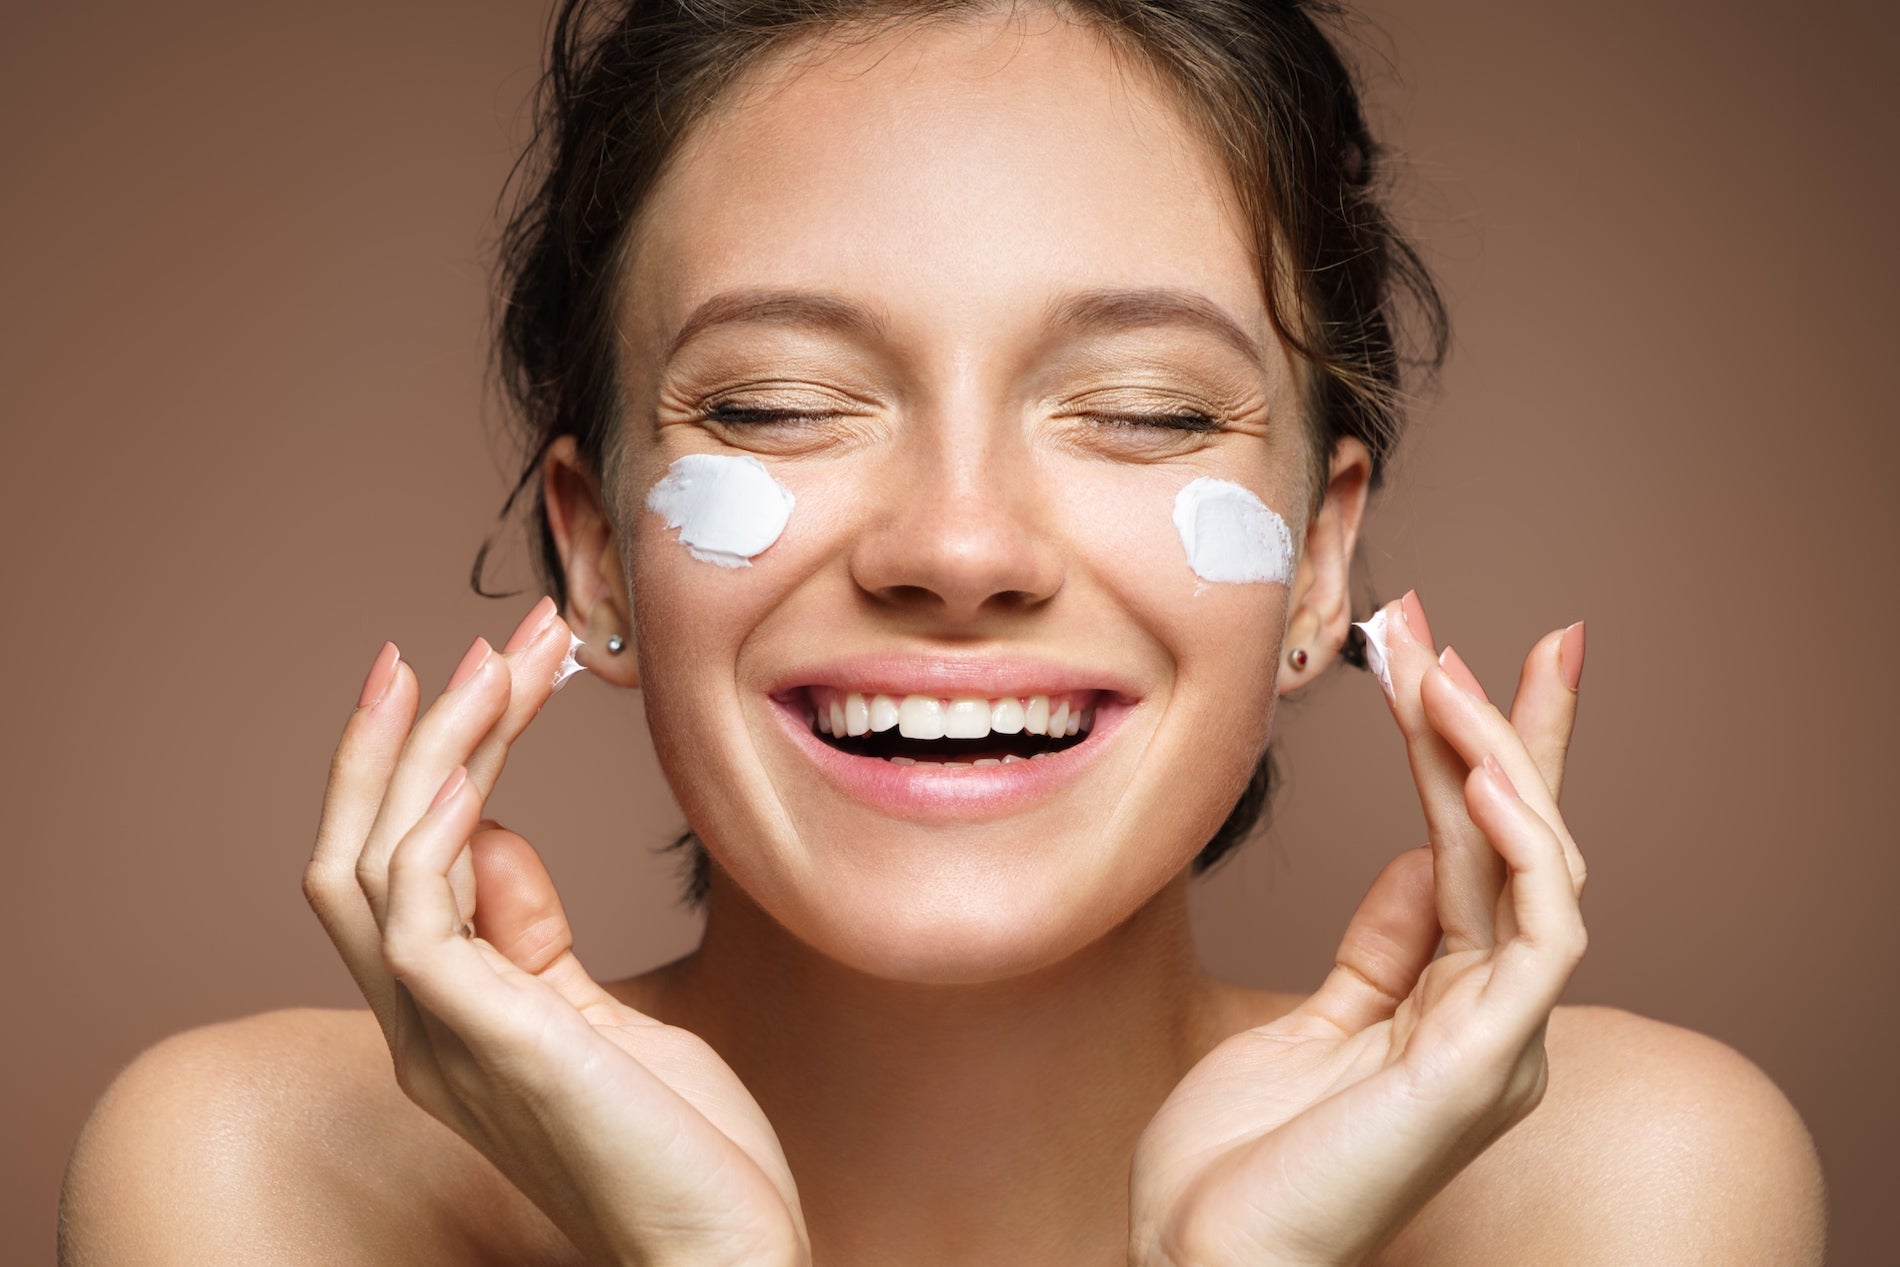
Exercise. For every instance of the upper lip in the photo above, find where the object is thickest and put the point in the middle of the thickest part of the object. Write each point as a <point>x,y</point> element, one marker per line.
<point>950,675</point>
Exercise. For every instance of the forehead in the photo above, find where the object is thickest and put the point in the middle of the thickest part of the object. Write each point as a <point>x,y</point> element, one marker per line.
<point>946,173</point>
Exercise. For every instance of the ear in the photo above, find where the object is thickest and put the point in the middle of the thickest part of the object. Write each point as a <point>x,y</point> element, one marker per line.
<point>1321,598</point>
<point>583,530</point>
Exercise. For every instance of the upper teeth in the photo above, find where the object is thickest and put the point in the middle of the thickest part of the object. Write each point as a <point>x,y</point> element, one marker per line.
<point>964,717</point>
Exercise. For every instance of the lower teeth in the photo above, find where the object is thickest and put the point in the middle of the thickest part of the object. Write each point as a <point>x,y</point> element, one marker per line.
<point>979,761</point>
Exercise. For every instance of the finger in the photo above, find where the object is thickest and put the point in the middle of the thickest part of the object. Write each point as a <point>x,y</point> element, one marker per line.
<point>1468,876</point>
<point>532,655</point>
<point>519,913</point>
<point>1534,965</point>
<point>1544,710</point>
<point>461,982</point>
<point>423,940</point>
<point>1388,942</point>
<point>473,724</point>
<point>475,698</point>
<point>1475,729</point>
<point>359,773</point>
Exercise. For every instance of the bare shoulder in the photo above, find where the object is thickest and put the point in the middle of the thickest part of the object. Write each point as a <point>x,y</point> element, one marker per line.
<point>1653,1143</point>
<point>283,1138</point>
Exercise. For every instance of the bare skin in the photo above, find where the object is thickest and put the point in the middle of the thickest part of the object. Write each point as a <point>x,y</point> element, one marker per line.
<point>956,1040</point>
<point>283,1138</point>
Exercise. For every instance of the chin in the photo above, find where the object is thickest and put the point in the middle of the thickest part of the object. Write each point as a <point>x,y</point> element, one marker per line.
<point>968,918</point>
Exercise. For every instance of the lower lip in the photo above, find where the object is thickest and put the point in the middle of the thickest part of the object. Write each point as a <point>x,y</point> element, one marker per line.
<point>954,792</point>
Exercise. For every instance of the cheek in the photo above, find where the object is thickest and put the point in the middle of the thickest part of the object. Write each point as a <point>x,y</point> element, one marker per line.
<point>696,605</point>
<point>1219,634</point>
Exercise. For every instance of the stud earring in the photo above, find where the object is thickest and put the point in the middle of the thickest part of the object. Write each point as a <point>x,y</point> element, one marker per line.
<point>1297,658</point>
<point>615,644</point>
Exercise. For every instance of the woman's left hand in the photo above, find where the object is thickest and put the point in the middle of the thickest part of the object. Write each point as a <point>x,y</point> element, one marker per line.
<point>1314,1139</point>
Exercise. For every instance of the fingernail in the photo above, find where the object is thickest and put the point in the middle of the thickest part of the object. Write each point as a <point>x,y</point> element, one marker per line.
<point>1570,655</point>
<point>381,673</point>
<point>533,623</point>
<point>470,662</point>
<point>1497,772</point>
<point>1414,612</point>
<point>1460,672</point>
<point>456,778</point>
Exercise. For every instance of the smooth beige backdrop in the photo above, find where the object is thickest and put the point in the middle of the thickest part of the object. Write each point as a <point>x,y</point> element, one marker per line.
<point>242,307</point>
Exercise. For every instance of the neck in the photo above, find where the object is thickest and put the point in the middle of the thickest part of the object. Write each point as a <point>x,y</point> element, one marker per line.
<point>972,1123</point>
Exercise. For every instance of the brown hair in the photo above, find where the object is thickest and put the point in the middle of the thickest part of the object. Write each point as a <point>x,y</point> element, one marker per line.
<point>627,79</point>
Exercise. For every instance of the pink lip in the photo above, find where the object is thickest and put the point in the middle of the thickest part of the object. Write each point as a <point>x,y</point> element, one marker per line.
<point>947,676</point>
<point>950,793</point>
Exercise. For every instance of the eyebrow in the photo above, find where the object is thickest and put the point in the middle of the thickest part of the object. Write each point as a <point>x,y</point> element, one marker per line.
<point>1091,311</point>
<point>1109,311</point>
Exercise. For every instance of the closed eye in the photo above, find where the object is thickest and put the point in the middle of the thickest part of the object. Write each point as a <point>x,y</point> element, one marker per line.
<point>741,416</point>
<point>1171,421</point>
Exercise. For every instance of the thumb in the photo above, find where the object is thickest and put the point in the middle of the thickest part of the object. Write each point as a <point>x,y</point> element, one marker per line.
<point>517,910</point>
<point>1389,941</point>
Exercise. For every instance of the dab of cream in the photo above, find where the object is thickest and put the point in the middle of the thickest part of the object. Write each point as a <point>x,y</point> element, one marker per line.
<point>726,508</point>
<point>1231,535</point>
<point>568,666</point>
<point>1376,657</point>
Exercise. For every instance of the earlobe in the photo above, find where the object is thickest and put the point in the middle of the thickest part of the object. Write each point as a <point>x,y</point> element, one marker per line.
<point>1321,593</point>
<point>584,536</point>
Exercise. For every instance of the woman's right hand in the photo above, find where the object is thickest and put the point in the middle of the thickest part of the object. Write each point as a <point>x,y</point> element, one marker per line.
<point>633,1136</point>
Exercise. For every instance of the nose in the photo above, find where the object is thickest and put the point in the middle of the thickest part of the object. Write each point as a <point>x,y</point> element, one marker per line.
<point>960,533</point>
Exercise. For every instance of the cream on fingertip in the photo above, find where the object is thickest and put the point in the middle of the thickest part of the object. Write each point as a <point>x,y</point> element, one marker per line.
<point>569,664</point>
<point>1378,658</point>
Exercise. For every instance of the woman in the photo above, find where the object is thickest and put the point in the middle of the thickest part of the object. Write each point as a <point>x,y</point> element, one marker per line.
<point>957,422</point>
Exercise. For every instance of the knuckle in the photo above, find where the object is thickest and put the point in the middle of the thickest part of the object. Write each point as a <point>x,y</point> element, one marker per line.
<point>401,956</point>
<point>400,867</point>
<point>319,887</point>
<point>370,872</point>
<point>1529,1080</point>
<point>353,765</point>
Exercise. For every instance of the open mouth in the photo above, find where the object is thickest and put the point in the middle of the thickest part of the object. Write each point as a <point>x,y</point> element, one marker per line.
<point>965,730</point>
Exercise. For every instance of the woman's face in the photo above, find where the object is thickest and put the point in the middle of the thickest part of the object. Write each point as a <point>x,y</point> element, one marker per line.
<point>990,250</point>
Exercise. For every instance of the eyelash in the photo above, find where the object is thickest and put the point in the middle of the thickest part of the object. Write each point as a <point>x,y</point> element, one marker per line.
<point>740,416</point>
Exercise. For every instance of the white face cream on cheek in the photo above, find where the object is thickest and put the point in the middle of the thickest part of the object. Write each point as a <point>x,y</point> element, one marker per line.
<point>727,509</point>
<point>1231,535</point>
<point>1374,630</point>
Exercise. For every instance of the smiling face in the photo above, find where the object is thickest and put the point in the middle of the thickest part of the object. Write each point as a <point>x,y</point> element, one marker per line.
<point>979,299</point>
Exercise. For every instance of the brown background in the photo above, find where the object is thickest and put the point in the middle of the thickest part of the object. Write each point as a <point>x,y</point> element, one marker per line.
<point>242,305</point>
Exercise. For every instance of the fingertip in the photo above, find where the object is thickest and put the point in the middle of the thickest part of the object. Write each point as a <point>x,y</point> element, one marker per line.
<point>1461,674</point>
<point>532,627</point>
<point>1412,611</point>
<point>1490,763</point>
<point>1570,656</point>
<point>517,909</point>
<point>382,672</point>
<point>450,786</point>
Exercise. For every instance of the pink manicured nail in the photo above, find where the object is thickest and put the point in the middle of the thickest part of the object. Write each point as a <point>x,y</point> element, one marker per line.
<point>470,662</point>
<point>1460,672</point>
<point>1414,612</point>
<point>450,785</point>
<point>381,673</point>
<point>1570,655</point>
<point>1497,772</point>
<point>533,623</point>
